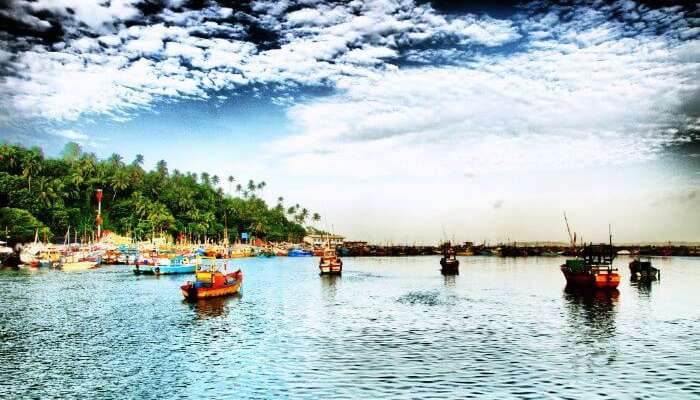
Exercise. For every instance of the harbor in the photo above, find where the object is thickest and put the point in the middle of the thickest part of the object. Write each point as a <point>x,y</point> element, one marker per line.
<point>375,331</point>
<point>376,199</point>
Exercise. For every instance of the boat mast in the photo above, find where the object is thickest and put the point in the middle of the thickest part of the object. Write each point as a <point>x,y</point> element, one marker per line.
<point>572,239</point>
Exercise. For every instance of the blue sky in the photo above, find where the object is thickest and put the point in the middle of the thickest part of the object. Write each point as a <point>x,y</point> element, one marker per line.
<point>395,120</point>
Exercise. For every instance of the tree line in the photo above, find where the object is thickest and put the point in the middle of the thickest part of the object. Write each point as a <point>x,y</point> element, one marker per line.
<point>55,193</point>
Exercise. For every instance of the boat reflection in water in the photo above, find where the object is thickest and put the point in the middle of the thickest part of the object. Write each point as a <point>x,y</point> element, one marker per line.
<point>450,280</point>
<point>643,286</point>
<point>592,311</point>
<point>329,286</point>
<point>212,307</point>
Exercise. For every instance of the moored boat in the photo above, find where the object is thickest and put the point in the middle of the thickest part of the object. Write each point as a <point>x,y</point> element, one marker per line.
<point>643,269</point>
<point>175,265</point>
<point>593,269</point>
<point>210,282</point>
<point>330,263</point>
<point>449,262</point>
<point>299,253</point>
<point>76,262</point>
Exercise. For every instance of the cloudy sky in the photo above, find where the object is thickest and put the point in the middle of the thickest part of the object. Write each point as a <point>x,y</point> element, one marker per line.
<point>396,120</point>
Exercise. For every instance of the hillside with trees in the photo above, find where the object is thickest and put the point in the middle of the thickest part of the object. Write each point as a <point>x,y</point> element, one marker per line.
<point>55,193</point>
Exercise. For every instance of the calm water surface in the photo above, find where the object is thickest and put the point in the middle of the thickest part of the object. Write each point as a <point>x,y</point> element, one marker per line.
<point>388,328</point>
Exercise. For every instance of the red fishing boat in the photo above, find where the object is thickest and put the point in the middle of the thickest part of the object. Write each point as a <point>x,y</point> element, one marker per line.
<point>210,282</point>
<point>594,268</point>
<point>330,263</point>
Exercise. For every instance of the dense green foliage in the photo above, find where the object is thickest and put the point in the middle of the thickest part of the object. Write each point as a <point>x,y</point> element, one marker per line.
<point>21,226</point>
<point>61,193</point>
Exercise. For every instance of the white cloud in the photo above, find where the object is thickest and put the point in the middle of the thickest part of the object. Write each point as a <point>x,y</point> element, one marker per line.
<point>71,134</point>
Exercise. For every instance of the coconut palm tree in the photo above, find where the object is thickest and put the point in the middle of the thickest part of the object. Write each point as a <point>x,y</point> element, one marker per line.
<point>45,192</point>
<point>162,167</point>
<point>316,217</point>
<point>119,181</point>
<point>215,180</point>
<point>230,183</point>
<point>138,160</point>
<point>32,167</point>
<point>115,160</point>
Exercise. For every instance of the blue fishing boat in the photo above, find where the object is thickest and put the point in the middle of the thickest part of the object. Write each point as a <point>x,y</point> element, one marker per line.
<point>299,253</point>
<point>177,265</point>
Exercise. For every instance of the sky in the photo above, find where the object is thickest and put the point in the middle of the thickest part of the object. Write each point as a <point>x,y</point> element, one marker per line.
<point>398,121</point>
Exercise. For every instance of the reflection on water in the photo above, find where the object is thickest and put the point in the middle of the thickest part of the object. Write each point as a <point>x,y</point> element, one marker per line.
<point>643,286</point>
<point>388,328</point>
<point>592,309</point>
<point>213,307</point>
<point>329,286</point>
<point>450,281</point>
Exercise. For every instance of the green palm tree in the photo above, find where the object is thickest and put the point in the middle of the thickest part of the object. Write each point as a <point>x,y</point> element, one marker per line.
<point>230,183</point>
<point>138,160</point>
<point>32,166</point>
<point>215,180</point>
<point>316,217</point>
<point>115,160</point>
<point>119,181</point>
<point>162,167</point>
<point>45,192</point>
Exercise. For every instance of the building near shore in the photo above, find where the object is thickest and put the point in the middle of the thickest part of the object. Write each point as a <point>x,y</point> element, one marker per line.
<point>321,240</point>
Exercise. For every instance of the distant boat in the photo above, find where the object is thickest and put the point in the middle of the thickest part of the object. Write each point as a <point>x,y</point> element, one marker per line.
<point>643,269</point>
<point>5,252</point>
<point>210,282</point>
<point>330,263</point>
<point>77,262</point>
<point>175,265</point>
<point>299,253</point>
<point>449,262</point>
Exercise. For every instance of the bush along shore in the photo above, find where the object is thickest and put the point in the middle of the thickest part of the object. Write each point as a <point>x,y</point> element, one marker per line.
<point>52,194</point>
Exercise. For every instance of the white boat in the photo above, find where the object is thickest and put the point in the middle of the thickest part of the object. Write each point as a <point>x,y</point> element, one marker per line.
<point>76,262</point>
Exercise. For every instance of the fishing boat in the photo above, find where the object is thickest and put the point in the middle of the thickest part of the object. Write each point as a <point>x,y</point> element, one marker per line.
<point>330,263</point>
<point>175,265</point>
<point>5,252</point>
<point>643,269</point>
<point>266,253</point>
<point>76,262</point>
<point>210,282</point>
<point>594,268</point>
<point>449,262</point>
<point>296,252</point>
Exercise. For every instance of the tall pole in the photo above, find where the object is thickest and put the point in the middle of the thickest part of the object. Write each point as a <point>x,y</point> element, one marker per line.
<point>99,214</point>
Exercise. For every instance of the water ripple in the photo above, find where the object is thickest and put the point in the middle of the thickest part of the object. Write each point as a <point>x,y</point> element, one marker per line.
<point>388,328</point>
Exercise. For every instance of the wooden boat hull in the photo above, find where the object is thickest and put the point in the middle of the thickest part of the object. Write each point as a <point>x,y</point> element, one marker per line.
<point>192,292</point>
<point>590,279</point>
<point>174,269</point>
<point>144,269</point>
<point>335,268</point>
<point>449,267</point>
<point>78,266</point>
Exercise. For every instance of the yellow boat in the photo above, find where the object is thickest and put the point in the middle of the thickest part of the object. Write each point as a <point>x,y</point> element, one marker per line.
<point>210,282</point>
